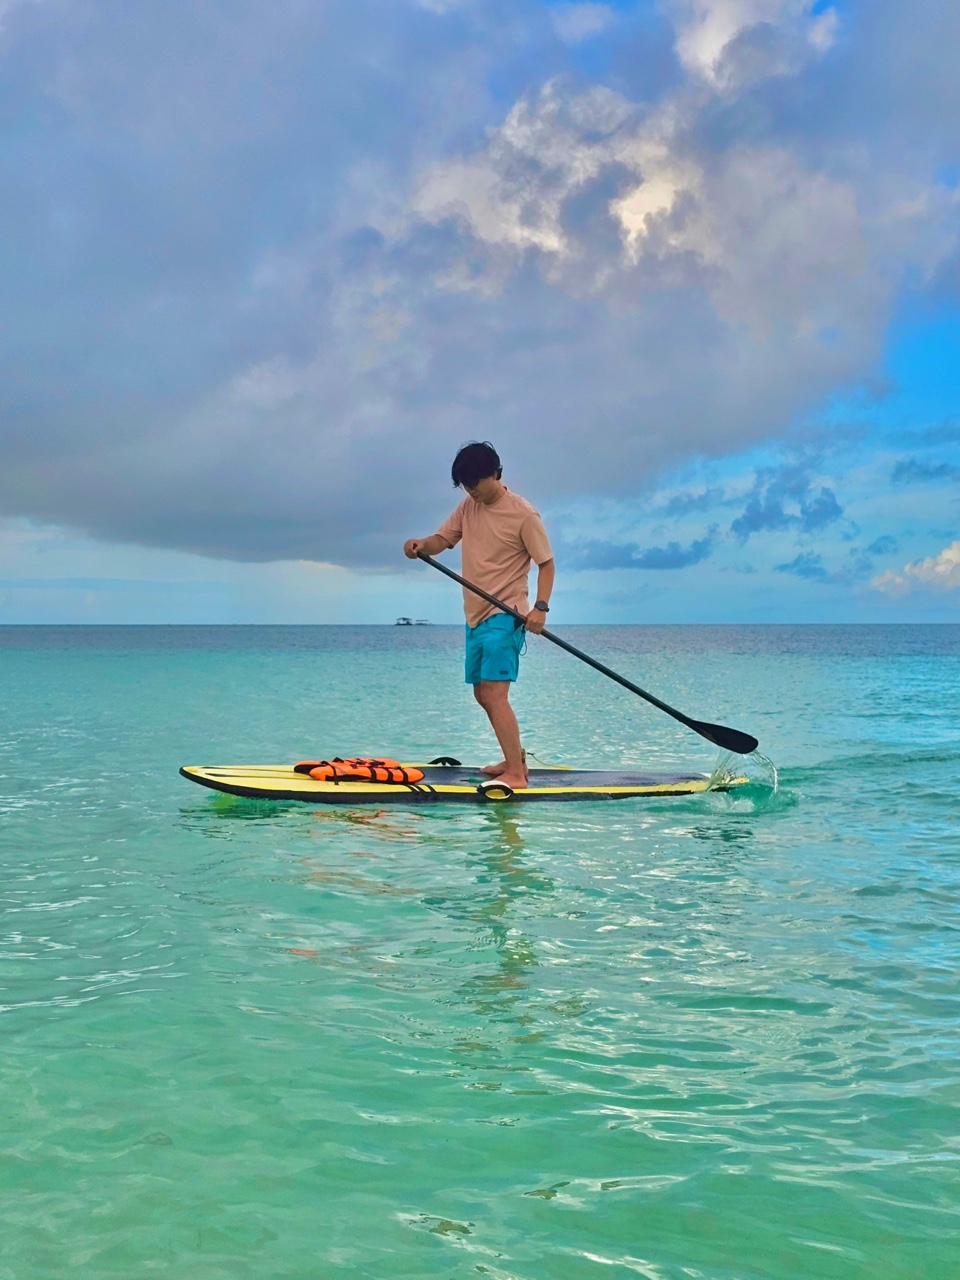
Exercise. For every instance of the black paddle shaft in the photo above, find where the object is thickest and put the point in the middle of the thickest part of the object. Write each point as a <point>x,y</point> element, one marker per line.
<point>727,739</point>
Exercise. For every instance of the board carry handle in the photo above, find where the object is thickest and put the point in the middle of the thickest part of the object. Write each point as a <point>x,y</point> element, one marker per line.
<point>727,739</point>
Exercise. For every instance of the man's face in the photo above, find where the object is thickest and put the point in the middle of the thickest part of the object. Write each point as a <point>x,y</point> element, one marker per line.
<point>484,491</point>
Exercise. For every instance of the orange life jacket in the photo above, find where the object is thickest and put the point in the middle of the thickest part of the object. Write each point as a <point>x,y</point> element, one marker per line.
<point>359,769</point>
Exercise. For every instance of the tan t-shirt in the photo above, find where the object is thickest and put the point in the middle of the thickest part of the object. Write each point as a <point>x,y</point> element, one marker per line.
<point>499,542</point>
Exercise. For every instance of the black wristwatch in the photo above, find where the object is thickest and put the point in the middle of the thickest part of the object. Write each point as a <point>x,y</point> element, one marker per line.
<point>542,606</point>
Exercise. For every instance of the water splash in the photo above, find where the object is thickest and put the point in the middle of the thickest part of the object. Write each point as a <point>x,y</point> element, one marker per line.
<point>770,769</point>
<point>732,768</point>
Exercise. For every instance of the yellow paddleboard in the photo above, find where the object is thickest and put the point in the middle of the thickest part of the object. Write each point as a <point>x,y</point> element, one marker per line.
<point>453,781</point>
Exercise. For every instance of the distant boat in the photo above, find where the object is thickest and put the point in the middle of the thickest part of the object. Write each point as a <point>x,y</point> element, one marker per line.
<point>409,622</point>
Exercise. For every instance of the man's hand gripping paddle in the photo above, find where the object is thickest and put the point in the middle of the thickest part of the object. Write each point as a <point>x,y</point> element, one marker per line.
<point>726,739</point>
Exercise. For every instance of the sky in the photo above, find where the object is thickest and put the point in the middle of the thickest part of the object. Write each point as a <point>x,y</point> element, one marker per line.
<point>693,266</point>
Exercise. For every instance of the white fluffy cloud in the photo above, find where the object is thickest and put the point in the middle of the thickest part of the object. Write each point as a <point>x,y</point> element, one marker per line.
<point>941,571</point>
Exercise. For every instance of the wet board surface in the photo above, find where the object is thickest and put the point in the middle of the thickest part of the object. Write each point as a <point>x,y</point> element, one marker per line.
<point>449,783</point>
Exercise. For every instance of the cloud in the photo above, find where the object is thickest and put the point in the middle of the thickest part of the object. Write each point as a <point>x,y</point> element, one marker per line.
<point>731,42</point>
<point>264,276</point>
<point>784,497</point>
<point>687,502</point>
<point>884,545</point>
<point>576,22</point>
<point>858,565</point>
<point>673,556</point>
<point>822,509</point>
<point>943,433</point>
<point>918,471</point>
<point>611,555</point>
<point>941,571</point>
<point>806,565</point>
<point>102,584</point>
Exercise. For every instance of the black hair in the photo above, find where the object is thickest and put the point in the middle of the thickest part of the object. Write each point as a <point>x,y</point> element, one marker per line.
<point>475,462</point>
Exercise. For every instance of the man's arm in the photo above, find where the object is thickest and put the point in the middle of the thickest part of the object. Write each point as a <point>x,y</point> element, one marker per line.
<point>537,618</point>
<point>431,546</point>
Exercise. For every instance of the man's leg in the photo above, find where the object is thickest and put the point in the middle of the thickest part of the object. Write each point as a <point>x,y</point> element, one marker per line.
<point>494,697</point>
<point>501,643</point>
<point>494,770</point>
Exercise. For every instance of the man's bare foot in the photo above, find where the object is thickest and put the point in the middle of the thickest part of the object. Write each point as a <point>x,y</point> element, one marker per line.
<point>515,781</point>
<point>495,770</point>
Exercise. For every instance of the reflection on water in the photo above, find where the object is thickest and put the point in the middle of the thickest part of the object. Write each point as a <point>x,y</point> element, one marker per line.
<point>509,878</point>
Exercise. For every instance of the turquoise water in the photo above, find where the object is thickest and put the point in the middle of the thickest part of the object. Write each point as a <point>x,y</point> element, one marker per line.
<point>712,1037</point>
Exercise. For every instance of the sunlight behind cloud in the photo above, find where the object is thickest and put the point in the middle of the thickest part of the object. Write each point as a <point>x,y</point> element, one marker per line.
<point>710,31</point>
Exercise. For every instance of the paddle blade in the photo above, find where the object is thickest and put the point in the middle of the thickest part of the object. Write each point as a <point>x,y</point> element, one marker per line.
<point>728,739</point>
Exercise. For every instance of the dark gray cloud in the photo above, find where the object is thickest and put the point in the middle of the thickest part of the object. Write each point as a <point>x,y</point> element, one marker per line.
<point>267,266</point>
<point>614,555</point>
<point>923,471</point>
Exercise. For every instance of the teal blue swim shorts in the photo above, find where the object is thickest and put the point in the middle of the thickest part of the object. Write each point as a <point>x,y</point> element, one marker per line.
<point>493,649</point>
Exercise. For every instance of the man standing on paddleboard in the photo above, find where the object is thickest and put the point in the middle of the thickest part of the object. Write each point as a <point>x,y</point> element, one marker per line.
<point>502,535</point>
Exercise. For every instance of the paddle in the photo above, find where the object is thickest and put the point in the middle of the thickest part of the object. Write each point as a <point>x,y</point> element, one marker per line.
<point>727,739</point>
